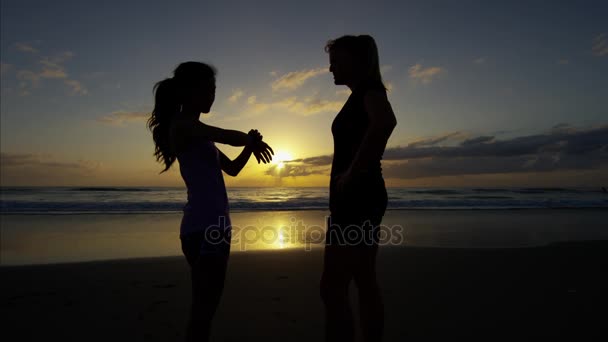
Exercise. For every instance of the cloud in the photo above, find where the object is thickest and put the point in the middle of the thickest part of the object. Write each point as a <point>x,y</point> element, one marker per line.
<point>600,45</point>
<point>28,80</point>
<point>438,139</point>
<point>5,68</point>
<point>310,106</point>
<point>236,95</point>
<point>76,87</point>
<point>480,60</point>
<point>26,160</point>
<point>562,61</point>
<point>119,118</point>
<point>425,75</point>
<point>555,141</point>
<point>385,68</point>
<point>306,107</point>
<point>293,170</point>
<point>314,161</point>
<point>36,169</point>
<point>563,147</point>
<point>295,79</point>
<point>294,105</point>
<point>254,107</point>
<point>50,68</point>
<point>24,47</point>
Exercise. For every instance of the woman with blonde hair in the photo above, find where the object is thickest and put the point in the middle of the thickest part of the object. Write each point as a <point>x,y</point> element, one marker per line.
<point>358,197</point>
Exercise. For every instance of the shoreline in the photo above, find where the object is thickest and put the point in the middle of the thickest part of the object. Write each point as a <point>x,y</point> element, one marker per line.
<point>43,239</point>
<point>389,249</point>
<point>296,210</point>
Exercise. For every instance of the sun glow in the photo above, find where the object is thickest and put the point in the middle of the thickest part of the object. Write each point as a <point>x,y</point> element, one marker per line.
<point>280,158</point>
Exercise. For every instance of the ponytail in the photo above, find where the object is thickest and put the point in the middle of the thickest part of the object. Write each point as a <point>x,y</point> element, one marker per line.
<point>168,100</point>
<point>166,105</point>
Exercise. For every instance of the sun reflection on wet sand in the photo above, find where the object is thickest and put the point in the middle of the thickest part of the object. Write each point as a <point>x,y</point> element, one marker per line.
<point>28,239</point>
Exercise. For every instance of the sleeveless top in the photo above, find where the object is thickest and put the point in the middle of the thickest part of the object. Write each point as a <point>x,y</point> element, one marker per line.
<point>367,193</point>
<point>207,198</point>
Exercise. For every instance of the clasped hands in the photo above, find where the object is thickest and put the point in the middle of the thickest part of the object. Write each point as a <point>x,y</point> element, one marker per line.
<point>260,149</point>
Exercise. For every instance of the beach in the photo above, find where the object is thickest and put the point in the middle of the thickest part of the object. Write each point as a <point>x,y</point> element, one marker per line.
<point>273,295</point>
<point>37,239</point>
<point>551,289</point>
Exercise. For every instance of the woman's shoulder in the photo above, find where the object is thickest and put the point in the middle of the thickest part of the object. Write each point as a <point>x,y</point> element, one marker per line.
<point>180,134</point>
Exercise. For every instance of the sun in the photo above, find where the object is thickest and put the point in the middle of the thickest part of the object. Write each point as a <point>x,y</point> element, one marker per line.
<point>280,158</point>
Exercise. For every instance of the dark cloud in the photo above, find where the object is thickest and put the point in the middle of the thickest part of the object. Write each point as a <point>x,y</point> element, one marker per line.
<point>292,170</point>
<point>433,167</point>
<point>562,148</point>
<point>25,160</point>
<point>563,141</point>
<point>478,140</point>
<point>434,140</point>
<point>314,161</point>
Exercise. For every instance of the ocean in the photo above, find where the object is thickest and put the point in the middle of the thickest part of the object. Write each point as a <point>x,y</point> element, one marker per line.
<point>137,200</point>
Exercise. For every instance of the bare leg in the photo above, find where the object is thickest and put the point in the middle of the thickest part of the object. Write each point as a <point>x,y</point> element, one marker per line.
<point>208,275</point>
<point>335,280</point>
<point>370,300</point>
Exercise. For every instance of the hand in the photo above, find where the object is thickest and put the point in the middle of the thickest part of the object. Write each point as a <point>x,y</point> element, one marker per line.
<point>263,152</point>
<point>344,180</point>
<point>256,136</point>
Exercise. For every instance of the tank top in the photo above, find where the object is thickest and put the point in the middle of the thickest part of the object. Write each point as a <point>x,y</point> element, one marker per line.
<point>368,195</point>
<point>207,205</point>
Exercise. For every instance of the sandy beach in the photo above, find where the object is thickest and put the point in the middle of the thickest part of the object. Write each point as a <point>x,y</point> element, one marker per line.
<point>487,273</point>
<point>273,295</point>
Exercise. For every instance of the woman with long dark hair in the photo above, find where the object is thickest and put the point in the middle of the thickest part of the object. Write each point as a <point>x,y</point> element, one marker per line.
<point>205,227</point>
<point>358,197</point>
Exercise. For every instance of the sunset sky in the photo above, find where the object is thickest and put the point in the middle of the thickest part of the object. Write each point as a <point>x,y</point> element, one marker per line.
<point>505,93</point>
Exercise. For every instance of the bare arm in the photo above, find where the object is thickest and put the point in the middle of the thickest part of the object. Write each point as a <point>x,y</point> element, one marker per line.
<point>382,121</point>
<point>198,130</point>
<point>233,167</point>
<point>259,148</point>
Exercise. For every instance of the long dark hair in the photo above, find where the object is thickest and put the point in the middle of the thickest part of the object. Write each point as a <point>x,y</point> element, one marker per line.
<point>168,98</point>
<point>363,48</point>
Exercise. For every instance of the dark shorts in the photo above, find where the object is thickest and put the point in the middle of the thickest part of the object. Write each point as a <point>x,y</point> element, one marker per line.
<point>353,231</point>
<point>195,244</point>
<point>363,198</point>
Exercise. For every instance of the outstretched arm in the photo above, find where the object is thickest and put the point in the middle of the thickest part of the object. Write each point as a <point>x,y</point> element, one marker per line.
<point>198,130</point>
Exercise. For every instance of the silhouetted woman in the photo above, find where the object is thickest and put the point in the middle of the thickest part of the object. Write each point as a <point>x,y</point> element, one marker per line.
<point>358,197</point>
<point>205,227</point>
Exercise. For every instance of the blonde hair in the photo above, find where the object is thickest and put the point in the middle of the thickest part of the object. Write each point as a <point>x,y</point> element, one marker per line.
<point>363,48</point>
